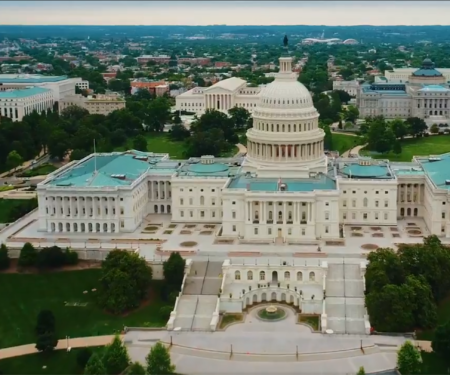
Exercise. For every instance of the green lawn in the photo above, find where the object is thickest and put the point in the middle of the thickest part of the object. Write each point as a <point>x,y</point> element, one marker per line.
<point>344,142</point>
<point>24,295</point>
<point>433,364</point>
<point>424,146</point>
<point>6,205</point>
<point>57,362</point>
<point>39,171</point>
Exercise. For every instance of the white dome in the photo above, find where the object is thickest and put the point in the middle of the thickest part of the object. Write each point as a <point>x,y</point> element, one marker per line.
<point>286,94</point>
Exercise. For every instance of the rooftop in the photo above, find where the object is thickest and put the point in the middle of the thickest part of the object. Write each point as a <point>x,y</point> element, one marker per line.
<point>219,168</point>
<point>320,182</point>
<point>230,84</point>
<point>373,171</point>
<point>437,168</point>
<point>434,88</point>
<point>16,94</point>
<point>29,78</point>
<point>113,170</point>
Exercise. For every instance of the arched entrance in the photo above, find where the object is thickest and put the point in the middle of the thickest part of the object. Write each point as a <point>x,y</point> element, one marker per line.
<point>274,276</point>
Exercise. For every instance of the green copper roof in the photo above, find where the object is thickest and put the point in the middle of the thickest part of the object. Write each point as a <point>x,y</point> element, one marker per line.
<point>438,170</point>
<point>366,171</point>
<point>208,168</point>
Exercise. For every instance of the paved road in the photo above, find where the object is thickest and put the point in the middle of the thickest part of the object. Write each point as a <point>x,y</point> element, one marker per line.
<point>79,342</point>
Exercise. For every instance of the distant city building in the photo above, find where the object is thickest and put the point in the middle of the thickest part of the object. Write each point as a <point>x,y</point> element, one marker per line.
<point>83,85</point>
<point>15,104</point>
<point>95,104</point>
<point>61,86</point>
<point>425,94</point>
<point>164,59</point>
<point>222,96</point>
<point>155,87</point>
<point>350,87</point>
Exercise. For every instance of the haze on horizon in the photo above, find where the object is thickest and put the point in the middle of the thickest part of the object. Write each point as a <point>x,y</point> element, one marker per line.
<point>328,13</point>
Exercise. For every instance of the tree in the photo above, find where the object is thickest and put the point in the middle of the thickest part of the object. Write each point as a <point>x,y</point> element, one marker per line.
<point>46,342</point>
<point>45,322</point>
<point>58,144</point>
<point>361,371</point>
<point>28,255</point>
<point>173,269</point>
<point>158,361</point>
<point>78,154</point>
<point>157,114</point>
<point>140,143</point>
<point>13,160</point>
<point>135,369</point>
<point>409,361</point>
<point>397,149</point>
<point>434,129</point>
<point>179,132</point>
<point>83,357</point>
<point>400,128</point>
<point>50,257</point>
<point>4,257</point>
<point>417,126</point>
<point>116,358</point>
<point>344,96</point>
<point>201,143</point>
<point>213,119</point>
<point>240,117</point>
<point>95,366</point>
<point>441,341</point>
<point>124,282</point>
<point>380,137</point>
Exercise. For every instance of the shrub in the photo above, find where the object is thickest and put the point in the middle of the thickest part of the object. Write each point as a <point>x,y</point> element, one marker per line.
<point>45,322</point>
<point>83,357</point>
<point>50,257</point>
<point>28,256</point>
<point>71,257</point>
<point>116,358</point>
<point>165,312</point>
<point>4,257</point>
<point>46,342</point>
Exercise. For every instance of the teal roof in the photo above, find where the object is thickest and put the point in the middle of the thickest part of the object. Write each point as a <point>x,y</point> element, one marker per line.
<point>434,88</point>
<point>35,78</point>
<point>113,170</point>
<point>366,171</point>
<point>438,171</point>
<point>322,182</point>
<point>17,94</point>
<point>217,169</point>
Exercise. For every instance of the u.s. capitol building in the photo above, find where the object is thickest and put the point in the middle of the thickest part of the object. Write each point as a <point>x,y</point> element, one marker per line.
<point>285,189</point>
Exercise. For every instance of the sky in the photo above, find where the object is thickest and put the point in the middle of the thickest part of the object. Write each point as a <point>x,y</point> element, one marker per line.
<point>225,12</point>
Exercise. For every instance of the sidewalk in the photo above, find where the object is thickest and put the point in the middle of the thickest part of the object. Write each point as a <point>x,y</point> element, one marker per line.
<point>23,165</point>
<point>79,342</point>
<point>242,149</point>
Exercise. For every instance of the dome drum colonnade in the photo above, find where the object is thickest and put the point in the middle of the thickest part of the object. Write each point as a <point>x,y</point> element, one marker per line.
<point>285,125</point>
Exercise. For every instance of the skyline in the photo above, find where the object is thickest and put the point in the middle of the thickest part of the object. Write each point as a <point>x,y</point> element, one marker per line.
<point>197,13</point>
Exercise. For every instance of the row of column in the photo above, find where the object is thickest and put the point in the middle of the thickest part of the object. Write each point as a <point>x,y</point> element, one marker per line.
<point>218,101</point>
<point>264,212</point>
<point>59,227</point>
<point>411,194</point>
<point>159,190</point>
<point>83,207</point>
<point>288,152</point>
<point>433,103</point>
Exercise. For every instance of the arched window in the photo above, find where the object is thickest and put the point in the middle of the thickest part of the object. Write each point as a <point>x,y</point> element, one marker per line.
<point>280,215</point>
<point>237,275</point>
<point>312,276</point>
<point>287,275</point>
<point>408,212</point>
<point>262,276</point>
<point>249,275</point>
<point>365,202</point>
<point>299,276</point>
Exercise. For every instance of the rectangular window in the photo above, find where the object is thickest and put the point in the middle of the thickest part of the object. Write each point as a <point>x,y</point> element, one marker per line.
<point>353,203</point>
<point>376,216</point>
<point>303,232</point>
<point>386,203</point>
<point>213,214</point>
<point>344,216</point>
<point>256,230</point>
<point>443,215</point>
<point>326,230</point>
<point>191,201</point>
<point>234,228</point>
<point>233,202</point>
<point>289,231</point>
<point>269,231</point>
<point>213,201</point>
<point>233,215</point>
<point>181,201</point>
<point>191,214</point>
<point>327,216</point>
<point>353,216</point>
<point>327,204</point>
<point>122,224</point>
<point>386,215</point>
<point>376,203</point>
<point>377,192</point>
<point>365,216</point>
<point>344,203</point>
<point>202,213</point>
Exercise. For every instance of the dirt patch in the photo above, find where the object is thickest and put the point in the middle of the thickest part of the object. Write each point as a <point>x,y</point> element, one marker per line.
<point>395,235</point>
<point>411,224</point>
<point>185,232</point>
<point>168,232</point>
<point>209,226</point>
<point>190,226</point>
<point>206,232</point>
<point>224,242</point>
<point>369,246</point>
<point>188,244</point>
<point>355,228</point>
<point>356,234</point>
<point>378,235</point>
<point>151,227</point>
<point>414,232</point>
<point>393,229</point>
<point>375,228</point>
<point>334,243</point>
<point>82,265</point>
<point>172,226</point>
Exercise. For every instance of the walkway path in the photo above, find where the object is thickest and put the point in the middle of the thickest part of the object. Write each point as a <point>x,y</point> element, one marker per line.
<point>79,342</point>
<point>242,149</point>
<point>353,151</point>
